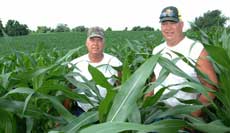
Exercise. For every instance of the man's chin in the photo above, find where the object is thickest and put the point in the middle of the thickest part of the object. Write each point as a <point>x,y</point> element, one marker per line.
<point>95,52</point>
<point>168,38</point>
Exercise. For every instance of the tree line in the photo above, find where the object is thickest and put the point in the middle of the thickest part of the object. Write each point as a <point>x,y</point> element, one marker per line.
<point>14,28</point>
<point>209,20</point>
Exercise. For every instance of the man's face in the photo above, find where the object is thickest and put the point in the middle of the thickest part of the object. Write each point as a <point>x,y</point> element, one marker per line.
<point>95,45</point>
<point>172,30</point>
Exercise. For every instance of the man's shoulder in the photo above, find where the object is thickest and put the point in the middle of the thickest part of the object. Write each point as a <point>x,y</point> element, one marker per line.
<point>159,48</point>
<point>193,44</point>
<point>112,60</point>
<point>109,55</point>
<point>192,41</point>
<point>80,59</point>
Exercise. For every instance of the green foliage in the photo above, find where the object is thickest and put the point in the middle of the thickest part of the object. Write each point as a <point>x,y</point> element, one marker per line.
<point>126,29</point>
<point>212,23</point>
<point>43,29</point>
<point>83,120</point>
<point>67,40</point>
<point>63,41</point>
<point>136,49</point>
<point>62,28</point>
<point>34,84</point>
<point>130,90</point>
<point>80,29</point>
<point>1,28</point>
<point>8,122</point>
<point>210,19</point>
<point>165,126</point>
<point>217,44</point>
<point>220,55</point>
<point>109,29</point>
<point>138,28</point>
<point>14,28</point>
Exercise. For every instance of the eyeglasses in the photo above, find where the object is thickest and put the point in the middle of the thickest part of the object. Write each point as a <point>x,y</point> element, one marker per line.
<point>168,14</point>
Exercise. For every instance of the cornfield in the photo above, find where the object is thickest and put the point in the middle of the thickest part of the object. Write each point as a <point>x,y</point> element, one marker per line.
<point>33,85</point>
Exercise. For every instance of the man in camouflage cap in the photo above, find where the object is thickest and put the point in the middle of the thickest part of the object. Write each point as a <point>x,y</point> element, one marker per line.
<point>96,32</point>
<point>96,57</point>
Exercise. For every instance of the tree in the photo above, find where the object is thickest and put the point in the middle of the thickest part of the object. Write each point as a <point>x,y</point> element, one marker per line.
<point>43,29</point>
<point>148,28</point>
<point>138,28</point>
<point>14,28</point>
<point>126,29</point>
<point>109,29</point>
<point>62,28</point>
<point>1,28</point>
<point>210,19</point>
<point>79,29</point>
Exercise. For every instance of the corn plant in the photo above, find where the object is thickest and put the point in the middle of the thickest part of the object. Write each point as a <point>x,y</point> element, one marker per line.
<point>30,91</point>
<point>33,86</point>
<point>121,118</point>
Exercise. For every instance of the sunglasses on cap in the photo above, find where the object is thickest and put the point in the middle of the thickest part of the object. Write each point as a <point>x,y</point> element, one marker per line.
<point>168,14</point>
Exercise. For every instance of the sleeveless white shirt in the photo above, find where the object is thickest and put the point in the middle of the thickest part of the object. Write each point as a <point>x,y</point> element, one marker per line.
<point>191,50</point>
<point>105,66</point>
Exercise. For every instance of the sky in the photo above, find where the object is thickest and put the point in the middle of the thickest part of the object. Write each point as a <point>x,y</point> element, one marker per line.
<point>116,14</point>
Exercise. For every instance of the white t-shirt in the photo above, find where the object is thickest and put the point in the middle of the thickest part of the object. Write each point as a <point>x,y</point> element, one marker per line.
<point>191,50</point>
<point>105,66</point>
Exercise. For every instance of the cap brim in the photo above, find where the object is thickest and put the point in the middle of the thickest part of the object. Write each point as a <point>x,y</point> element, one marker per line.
<point>95,35</point>
<point>169,19</point>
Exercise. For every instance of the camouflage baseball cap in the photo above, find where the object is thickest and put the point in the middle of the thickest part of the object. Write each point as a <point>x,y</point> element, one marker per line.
<point>170,14</point>
<point>96,32</point>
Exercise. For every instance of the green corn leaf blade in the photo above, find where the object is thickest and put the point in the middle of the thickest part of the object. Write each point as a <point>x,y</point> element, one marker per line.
<point>193,101</point>
<point>4,79</point>
<point>105,105</point>
<point>22,90</point>
<point>78,122</point>
<point>219,55</point>
<point>17,107</point>
<point>130,90</point>
<point>171,67</point>
<point>57,105</point>
<point>27,102</point>
<point>164,126</point>
<point>201,89</point>
<point>215,126</point>
<point>162,76</point>
<point>135,116</point>
<point>99,78</point>
<point>125,70</point>
<point>211,128</point>
<point>8,122</point>
<point>68,55</point>
<point>153,99</point>
<point>67,91</point>
<point>179,109</point>
<point>29,125</point>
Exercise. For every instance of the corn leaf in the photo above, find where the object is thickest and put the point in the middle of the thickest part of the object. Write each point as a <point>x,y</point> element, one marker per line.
<point>83,120</point>
<point>164,126</point>
<point>130,90</point>
<point>99,78</point>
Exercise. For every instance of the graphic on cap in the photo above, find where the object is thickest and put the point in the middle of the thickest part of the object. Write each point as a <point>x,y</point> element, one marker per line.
<point>170,14</point>
<point>95,32</point>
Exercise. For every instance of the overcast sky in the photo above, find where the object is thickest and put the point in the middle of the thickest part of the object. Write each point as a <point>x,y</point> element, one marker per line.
<point>116,14</point>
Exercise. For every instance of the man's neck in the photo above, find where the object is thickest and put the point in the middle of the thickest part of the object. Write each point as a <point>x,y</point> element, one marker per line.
<point>173,43</point>
<point>94,58</point>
